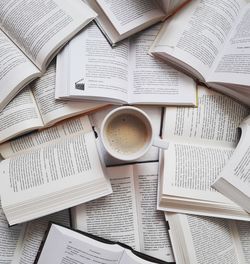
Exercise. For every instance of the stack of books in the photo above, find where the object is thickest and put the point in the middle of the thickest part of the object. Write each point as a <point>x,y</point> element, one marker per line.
<point>64,66</point>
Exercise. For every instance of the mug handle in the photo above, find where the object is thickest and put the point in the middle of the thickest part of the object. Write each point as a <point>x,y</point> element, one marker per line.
<point>160,143</point>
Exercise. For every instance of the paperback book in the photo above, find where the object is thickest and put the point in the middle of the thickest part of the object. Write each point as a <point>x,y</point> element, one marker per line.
<point>51,170</point>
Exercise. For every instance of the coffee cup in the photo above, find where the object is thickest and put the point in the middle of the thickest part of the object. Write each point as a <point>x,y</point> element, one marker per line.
<point>127,133</point>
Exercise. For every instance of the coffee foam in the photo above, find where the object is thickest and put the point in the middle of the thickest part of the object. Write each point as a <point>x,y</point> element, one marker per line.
<point>126,134</point>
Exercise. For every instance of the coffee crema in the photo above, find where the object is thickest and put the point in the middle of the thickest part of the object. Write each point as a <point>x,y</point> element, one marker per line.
<point>126,134</point>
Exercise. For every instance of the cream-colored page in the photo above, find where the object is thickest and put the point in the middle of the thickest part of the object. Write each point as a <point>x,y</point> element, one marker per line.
<point>153,81</point>
<point>45,27</point>
<point>53,110</point>
<point>127,15</point>
<point>114,216</point>
<point>19,116</point>
<point>153,233</point>
<point>196,34</point>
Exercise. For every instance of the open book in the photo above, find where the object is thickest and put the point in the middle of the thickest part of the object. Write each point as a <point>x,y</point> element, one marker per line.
<point>35,107</point>
<point>210,41</point>
<point>122,18</point>
<point>201,141</point>
<point>30,36</point>
<point>20,243</point>
<point>79,247</point>
<point>129,214</point>
<point>89,68</point>
<point>209,240</point>
<point>51,170</point>
<point>234,180</point>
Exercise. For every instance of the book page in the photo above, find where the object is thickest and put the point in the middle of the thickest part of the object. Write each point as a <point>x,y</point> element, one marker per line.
<point>45,26</point>
<point>130,258</point>
<point>189,171</point>
<point>170,6</point>
<point>196,34</point>
<point>133,202</point>
<point>243,228</point>
<point>30,242</point>
<point>9,237</point>
<point>126,15</point>
<point>236,171</point>
<point>19,116</point>
<point>73,247</point>
<point>205,240</point>
<point>114,216</point>
<point>153,233</point>
<point>233,66</point>
<point>45,137</point>
<point>151,80</point>
<point>68,165</point>
<point>53,110</point>
<point>15,69</point>
<point>213,122</point>
<point>96,71</point>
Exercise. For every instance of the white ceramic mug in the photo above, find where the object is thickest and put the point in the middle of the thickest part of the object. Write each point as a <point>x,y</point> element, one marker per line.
<point>127,133</point>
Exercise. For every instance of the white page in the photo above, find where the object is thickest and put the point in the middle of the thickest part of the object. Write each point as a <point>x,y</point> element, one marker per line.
<point>45,137</point>
<point>45,26</point>
<point>74,247</point>
<point>126,15</point>
<point>29,245</point>
<point>213,122</point>
<point>52,164</point>
<point>243,229</point>
<point>129,258</point>
<point>205,240</point>
<point>170,6</point>
<point>49,169</point>
<point>53,110</point>
<point>154,238</point>
<point>197,33</point>
<point>69,168</point>
<point>8,239</point>
<point>103,71</point>
<point>191,169</point>
<point>151,80</point>
<point>113,217</point>
<point>233,66</point>
<point>19,116</point>
<point>236,171</point>
<point>129,214</point>
<point>15,70</point>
